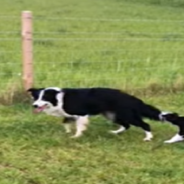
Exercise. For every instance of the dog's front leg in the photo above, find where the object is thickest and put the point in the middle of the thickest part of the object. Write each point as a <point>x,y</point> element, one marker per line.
<point>81,125</point>
<point>67,123</point>
<point>67,127</point>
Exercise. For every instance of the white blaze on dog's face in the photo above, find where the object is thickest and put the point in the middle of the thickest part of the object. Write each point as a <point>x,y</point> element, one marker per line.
<point>44,98</point>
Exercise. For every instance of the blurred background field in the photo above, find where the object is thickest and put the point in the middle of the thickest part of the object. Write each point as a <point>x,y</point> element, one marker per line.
<point>130,45</point>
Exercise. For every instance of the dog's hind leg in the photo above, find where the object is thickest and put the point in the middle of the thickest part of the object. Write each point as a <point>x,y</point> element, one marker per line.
<point>178,137</point>
<point>175,138</point>
<point>120,121</point>
<point>121,129</point>
<point>111,116</point>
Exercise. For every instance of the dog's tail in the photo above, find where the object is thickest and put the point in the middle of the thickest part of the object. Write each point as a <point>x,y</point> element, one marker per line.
<point>151,112</point>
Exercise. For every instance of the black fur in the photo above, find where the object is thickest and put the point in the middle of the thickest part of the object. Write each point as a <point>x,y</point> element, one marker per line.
<point>34,92</point>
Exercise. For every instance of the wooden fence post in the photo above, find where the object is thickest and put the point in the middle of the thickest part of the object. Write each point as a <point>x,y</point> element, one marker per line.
<point>27,49</point>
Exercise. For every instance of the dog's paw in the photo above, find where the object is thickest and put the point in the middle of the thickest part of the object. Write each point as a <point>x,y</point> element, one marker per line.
<point>120,130</point>
<point>147,139</point>
<point>113,132</point>
<point>75,136</point>
<point>168,142</point>
<point>176,138</point>
<point>68,131</point>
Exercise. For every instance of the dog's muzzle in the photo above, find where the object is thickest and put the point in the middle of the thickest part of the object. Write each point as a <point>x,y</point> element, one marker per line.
<point>38,109</point>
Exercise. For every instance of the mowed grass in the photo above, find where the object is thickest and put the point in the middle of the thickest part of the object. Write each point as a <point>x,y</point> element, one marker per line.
<point>127,44</point>
<point>35,150</point>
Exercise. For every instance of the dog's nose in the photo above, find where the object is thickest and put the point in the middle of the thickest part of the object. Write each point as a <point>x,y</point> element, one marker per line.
<point>35,106</point>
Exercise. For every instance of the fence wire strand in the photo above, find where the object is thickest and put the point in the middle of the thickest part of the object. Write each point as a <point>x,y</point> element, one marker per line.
<point>105,20</point>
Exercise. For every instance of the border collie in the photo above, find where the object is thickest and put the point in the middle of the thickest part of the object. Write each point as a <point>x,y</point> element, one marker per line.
<point>80,103</point>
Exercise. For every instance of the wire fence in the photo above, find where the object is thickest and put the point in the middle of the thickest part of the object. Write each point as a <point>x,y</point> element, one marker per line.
<point>124,53</point>
<point>10,53</point>
<point>83,52</point>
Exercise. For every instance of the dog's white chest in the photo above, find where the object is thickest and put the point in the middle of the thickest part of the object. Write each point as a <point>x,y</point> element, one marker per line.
<point>56,111</point>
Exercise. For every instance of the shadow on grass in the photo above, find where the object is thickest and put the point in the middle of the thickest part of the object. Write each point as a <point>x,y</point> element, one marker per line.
<point>52,134</point>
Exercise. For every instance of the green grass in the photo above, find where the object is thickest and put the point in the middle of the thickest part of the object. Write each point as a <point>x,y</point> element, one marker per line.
<point>35,150</point>
<point>132,45</point>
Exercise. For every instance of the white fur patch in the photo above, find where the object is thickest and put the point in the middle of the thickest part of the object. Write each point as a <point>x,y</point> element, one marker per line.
<point>121,129</point>
<point>175,138</point>
<point>162,114</point>
<point>81,125</point>
<point>149,136</point>
<point>54,88</point>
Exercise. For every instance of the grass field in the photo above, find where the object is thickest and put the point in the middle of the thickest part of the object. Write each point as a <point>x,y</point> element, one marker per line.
<point>129,44</point>
<point>35,150</point>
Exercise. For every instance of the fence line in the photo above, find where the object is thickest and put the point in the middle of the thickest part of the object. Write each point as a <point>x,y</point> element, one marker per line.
<point>119,61</point>
<point>94,33</point>
<point>104,50</point>
<point>108,33</point>
<point>92,19</point>
<point>9,32</point>
<point>106,20</point>
<point>110,39</point>
<point>8,63</point>
<point>12,74</point>
<point>8,51</point>
<point>9,16</point>
<point>10,39</point>
<point>118,69</point>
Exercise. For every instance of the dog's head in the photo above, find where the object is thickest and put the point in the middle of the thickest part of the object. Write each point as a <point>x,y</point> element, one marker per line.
<point>44,98</point>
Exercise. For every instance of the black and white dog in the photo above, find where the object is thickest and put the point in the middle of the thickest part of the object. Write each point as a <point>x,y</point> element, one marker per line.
<point>78,104</point>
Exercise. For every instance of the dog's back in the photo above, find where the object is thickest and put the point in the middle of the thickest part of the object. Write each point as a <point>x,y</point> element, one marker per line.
<point>100,100</point>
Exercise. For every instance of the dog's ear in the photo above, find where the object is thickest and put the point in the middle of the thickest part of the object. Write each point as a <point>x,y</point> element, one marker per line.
<point>34,89</point>
<point>34,92</point>
<point>31,90</point>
